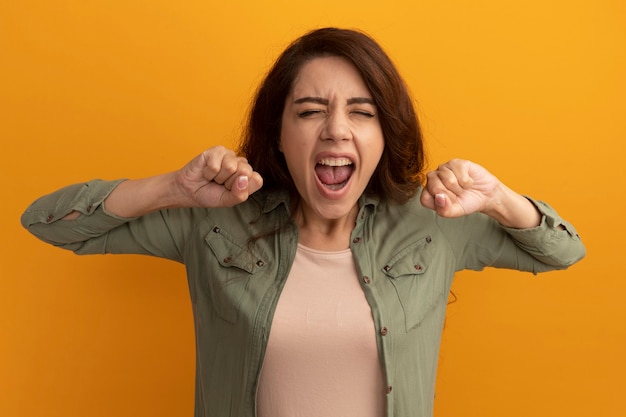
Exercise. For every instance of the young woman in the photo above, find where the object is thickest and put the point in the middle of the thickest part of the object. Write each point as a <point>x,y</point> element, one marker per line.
<point>318,261</point>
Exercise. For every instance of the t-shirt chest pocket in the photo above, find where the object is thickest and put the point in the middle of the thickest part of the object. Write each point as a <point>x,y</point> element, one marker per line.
<point>233,265</point>
<point>419,288</point>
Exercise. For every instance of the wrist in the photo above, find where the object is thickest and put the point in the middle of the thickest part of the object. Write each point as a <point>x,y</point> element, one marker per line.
<point>511,209</point>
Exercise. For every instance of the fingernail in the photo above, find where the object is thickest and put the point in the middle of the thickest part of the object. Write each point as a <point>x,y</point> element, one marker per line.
<point>242,182</point>
<point>440,200</point>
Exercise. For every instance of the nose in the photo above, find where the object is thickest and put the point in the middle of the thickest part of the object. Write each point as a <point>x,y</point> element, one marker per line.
<point>337,127</point>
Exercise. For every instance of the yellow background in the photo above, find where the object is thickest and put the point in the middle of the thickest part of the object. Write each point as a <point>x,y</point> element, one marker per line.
<point>534,90</point>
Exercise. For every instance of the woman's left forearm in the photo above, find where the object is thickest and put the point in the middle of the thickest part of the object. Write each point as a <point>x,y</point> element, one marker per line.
<point>512,209</point>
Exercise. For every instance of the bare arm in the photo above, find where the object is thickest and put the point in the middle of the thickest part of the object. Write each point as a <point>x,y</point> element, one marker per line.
<point>460,187</point>
<point>215,178</point>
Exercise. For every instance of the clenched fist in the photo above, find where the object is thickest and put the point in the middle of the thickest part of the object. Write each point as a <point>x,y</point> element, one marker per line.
<point>218,178</point>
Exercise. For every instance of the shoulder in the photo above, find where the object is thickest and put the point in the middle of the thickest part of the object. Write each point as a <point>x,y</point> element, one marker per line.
<point>263,211</point>
<point>412,217</point>
<point>411,210</point>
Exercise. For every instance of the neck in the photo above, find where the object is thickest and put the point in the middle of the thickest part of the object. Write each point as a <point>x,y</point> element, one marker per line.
<point>319,233</point>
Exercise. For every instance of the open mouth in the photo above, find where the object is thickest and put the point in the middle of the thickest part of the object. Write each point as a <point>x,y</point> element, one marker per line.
<point>334,173</point>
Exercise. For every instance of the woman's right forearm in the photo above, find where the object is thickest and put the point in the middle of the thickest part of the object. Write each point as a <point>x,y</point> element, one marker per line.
<point>134,198</point>
<point>215,178</point>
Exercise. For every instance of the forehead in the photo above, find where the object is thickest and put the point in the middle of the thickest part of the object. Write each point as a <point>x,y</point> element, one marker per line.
<point>329,75</point>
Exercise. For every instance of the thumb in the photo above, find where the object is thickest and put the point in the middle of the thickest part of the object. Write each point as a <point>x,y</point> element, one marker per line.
<point>434,202</point>
<point>427,199</point>
<point>238,192</point>
<point>240,189</point>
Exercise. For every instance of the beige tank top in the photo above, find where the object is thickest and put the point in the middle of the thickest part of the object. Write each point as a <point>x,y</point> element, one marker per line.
<point>321,358</point>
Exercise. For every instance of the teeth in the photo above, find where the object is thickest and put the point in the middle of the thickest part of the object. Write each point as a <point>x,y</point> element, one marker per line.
<point>335,162</point>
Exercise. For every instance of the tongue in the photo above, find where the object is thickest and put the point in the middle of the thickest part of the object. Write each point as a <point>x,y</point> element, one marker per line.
<point>333,175</point>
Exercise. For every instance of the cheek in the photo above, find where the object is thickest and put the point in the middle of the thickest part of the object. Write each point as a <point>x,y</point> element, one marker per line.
<point>288,135</point>
<point>296,143</point>
<point>294,155</point>
<point>375,147</point>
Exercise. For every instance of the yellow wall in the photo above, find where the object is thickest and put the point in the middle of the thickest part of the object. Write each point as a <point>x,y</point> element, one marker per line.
<point>532,89</point>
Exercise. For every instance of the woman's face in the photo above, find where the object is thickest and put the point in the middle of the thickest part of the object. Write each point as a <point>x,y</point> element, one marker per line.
<point>331,137</point>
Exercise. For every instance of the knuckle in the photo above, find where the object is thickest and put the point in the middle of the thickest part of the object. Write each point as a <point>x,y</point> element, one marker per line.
<point>219,148</point>
<point>211,166</point>
<point>229,167</point>
<point>450,180</point>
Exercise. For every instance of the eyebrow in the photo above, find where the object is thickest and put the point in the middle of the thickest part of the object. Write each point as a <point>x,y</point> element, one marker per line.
<point>324,101</point>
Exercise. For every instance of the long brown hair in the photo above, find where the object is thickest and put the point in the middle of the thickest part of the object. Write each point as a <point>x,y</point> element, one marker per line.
<point>399,172</point>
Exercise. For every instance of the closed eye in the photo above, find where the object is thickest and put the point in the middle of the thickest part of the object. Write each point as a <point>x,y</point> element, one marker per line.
<point>308,113</point>
<point>363,113</point>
